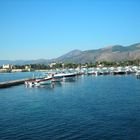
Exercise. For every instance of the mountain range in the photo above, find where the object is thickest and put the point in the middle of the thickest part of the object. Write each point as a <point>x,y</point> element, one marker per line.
<point>110,53</point>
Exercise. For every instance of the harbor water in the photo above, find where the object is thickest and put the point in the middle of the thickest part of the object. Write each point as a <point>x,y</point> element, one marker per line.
<point>17,75</point>
<point>86,108</point>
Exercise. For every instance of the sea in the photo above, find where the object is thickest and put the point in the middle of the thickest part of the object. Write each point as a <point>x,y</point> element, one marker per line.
<point>85,108</point>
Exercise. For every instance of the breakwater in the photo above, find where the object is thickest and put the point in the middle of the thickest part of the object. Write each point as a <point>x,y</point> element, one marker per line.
<point>12,83</point>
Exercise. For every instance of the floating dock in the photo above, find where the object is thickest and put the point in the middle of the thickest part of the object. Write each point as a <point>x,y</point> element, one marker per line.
<point>12,83</point>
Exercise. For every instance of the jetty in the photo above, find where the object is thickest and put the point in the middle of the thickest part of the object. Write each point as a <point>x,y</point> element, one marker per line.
<point>12,83</point>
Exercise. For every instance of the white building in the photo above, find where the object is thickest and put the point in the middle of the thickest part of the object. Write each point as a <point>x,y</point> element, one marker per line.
<point>28,68</point>
<point>52,64</point>
<point>7,66</point>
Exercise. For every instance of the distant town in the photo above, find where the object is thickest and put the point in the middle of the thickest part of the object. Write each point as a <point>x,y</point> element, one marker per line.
<point>57,65</point>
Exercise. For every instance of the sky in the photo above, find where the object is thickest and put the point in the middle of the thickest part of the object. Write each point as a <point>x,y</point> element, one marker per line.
<point>36,29</point>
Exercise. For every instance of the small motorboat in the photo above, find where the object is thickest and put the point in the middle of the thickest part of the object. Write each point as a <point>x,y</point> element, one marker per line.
<point>138,74</point>
<point>43,81</point>
<point>39,81</point>
<point>30,83</point>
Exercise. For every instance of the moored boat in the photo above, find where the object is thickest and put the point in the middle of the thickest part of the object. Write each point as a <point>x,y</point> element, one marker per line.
<point>43,81</point>
<point>38,81</point>
<point>138,74</point>
<point>30,83</point>
<point>64,75</point>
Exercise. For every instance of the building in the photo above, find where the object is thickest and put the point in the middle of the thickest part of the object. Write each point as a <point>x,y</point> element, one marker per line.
<point>28,68</point>
<point>52,64</point>
<point>7,66</point>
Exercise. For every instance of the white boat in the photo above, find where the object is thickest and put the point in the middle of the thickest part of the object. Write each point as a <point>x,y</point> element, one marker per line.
<point>39,81</point>
<point>64,75</point>
<point>138,74</point>
<point>30,83</point>
<point>43,81</point>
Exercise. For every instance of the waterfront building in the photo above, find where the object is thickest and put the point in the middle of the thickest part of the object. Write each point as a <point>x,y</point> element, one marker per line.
<point>52,64</point>
<point>28,68</point>
<point>7,66</point>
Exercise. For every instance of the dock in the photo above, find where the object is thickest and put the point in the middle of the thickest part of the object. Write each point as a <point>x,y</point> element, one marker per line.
<point>12,83</point>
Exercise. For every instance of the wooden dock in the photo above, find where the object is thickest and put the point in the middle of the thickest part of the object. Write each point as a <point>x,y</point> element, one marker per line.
<point>12,83</point>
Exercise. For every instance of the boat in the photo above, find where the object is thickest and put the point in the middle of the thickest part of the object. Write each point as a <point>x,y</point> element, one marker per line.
<point>138,74</point>
<point>39,81</point>
<point>43,81</point>
<point>64,75</point>
<point>30,83</point>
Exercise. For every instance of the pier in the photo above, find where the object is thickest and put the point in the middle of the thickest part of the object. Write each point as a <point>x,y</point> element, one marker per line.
<point>12,83</point>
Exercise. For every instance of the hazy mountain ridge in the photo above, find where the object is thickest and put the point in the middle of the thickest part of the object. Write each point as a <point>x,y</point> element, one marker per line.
<point>110,53</point>
<point>23,62</point>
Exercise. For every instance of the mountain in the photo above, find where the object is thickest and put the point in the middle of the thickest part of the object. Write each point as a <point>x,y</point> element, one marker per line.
<point>110,53</point>
<point>70,56</point>
<point>23,62</point>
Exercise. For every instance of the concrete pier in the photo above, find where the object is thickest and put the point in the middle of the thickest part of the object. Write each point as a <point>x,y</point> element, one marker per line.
<point>12,83</point>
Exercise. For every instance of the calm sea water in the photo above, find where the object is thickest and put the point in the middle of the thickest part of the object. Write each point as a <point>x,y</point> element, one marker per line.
<point>18,75</point>
<point>94,108</point>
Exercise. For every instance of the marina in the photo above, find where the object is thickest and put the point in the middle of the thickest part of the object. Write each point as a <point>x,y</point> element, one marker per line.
<point>59,75</point>
<point>70,70</point>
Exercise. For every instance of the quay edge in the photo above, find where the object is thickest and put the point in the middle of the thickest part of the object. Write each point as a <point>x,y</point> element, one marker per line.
<point>12,83</point>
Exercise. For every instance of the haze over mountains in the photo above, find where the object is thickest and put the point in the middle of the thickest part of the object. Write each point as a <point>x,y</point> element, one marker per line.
<point>110,53</point>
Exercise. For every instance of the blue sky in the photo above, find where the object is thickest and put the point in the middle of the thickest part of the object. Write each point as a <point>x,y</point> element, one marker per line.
<point>33,29</point>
